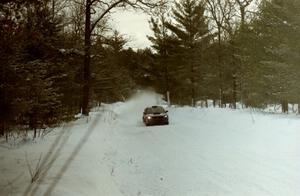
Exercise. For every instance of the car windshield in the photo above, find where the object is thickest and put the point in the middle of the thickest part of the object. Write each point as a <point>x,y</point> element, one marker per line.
<point>154,110</point>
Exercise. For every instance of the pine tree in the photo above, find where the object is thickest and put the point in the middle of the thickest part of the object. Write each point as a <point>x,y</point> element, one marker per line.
<point>31,91</point>
<point>277,32</point>
<point>111,81</point>
<point>163,44</point>
<point>191,30</point>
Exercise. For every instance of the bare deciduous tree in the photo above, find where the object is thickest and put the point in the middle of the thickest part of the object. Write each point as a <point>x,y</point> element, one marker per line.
<point>222,14</point>
<point>95,12</point>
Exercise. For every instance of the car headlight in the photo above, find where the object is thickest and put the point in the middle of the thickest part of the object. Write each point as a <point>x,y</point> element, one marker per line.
<point>166,116</point>
<point>149,117</point>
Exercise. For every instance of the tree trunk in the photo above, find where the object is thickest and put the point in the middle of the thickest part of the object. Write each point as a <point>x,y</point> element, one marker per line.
<point>2,125</point>
<point>87,60</point>
<point>193,86</point>
<point>167,85</point>
<point>284,106</point>
<point>168,98</point>
<point>220,68</point>
<point>234,91</point>
<point>34,133</point>
<point>2,128</point>
<point>53,10</point>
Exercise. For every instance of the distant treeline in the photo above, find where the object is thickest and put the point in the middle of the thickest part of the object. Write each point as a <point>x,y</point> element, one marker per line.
<point>229,51</point>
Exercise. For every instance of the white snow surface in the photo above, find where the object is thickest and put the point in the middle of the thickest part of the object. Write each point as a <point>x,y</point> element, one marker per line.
<point>203,152</point>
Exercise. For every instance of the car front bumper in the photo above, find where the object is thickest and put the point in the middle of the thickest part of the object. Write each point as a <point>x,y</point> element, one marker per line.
<point>157,121</point>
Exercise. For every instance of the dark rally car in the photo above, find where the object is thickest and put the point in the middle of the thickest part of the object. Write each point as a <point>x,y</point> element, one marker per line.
<point>155,115</point>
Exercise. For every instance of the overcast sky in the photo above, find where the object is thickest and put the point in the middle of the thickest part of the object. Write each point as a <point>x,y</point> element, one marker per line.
<point>134,25</point>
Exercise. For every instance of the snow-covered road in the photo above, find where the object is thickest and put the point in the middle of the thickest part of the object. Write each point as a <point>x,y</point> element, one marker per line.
<point>213,152</point>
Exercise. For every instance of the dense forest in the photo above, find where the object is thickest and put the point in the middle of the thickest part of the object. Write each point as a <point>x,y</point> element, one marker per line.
<point>61,57</point>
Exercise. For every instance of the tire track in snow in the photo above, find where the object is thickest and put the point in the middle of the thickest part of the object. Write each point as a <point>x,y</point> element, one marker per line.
<point>50,158</point>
